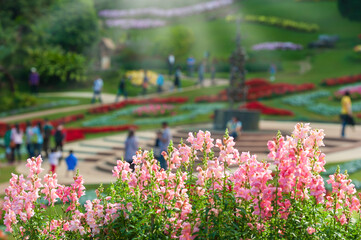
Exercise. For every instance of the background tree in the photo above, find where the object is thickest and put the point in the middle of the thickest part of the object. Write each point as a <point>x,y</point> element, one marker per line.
<point>69,26</point>
<point>73,25</point>
<point>350,9</point>
<point>178,41</point>
<point>16,19</point>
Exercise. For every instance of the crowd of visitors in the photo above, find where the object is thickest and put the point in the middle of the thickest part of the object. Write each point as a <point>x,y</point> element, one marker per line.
<point>163,138</point>
<point>38,141</point>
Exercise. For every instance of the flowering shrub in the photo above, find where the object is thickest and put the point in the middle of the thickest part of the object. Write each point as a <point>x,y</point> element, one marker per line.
<point>260,88</point>
<point>74,134</point>
<point>354,90</point>
<point>305,99</point>
<point>277,46</point>
<point>341,80</point>
<point>266,110</point>
<point>153,110</point>
<point>124,22</point>
<point>254,202</point>
<point>113,106</point>
<point>308,100</point>
<point>278,22</point>
<point>135,23</point>
<point>173,12</point>
<point>137,77</point>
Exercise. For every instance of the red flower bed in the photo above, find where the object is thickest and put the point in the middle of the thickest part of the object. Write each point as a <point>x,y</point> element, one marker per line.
<point>341,80</point>
<point>260,88</point>
<point>73,134</point>
<point>266,110</point>
<point>2,128</point>
<point>113,106</point>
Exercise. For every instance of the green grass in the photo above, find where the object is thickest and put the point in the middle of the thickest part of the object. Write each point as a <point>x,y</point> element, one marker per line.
<point>5,173</point>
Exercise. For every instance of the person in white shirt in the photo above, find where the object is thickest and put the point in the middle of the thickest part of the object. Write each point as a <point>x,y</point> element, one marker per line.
<point>97,88</point>
<point>16,141</point>
<point>54,159</point>
<point>171,62</point>
<point>28,136</point>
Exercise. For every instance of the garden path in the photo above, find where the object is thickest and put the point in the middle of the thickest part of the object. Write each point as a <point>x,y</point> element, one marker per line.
<point>107,98</point>
<point>97,157</point>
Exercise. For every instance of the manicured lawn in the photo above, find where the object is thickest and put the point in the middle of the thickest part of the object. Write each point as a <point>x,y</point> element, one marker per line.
<point>5,173</point>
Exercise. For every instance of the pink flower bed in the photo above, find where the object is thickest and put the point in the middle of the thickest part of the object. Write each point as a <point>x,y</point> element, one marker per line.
<point>355,91</point>
<point>153,110</point>
<point>254,200</point>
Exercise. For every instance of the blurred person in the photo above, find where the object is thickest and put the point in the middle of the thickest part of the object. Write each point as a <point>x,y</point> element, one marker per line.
<point>164,143</point>
<point>122,88</point>
<point>190,64</point>
<point>16,141</point>
<point>145,82</point>
<point>156,149</point>
<point>160,83</point>
<point>213,72</point>
<point>177,78</point>
<point>97,88</point>
<point>7,143</point>
<point>272,71</point>
<point>28,137</point>
<point>54,160</point>
<point>201,70</point>
<point>47,135</point>
<point>37,139</point>
<point>346,112</point>
<point>234,128</point>
<point>71,163</point>
<point>34,81</point>
<point>171,62</point>
<point>207,55</point>
<point>59,138</point>
<point>131,147</point>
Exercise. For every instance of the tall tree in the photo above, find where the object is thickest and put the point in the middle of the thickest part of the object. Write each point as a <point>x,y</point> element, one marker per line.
<point>73,25</point>
<point>16,20</point>
<point>350,9</point>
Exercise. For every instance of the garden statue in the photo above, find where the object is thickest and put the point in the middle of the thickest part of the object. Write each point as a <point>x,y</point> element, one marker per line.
<point>237,90</point>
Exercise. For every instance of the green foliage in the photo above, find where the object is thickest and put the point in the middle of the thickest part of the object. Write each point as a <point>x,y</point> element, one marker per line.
<point>55,64</point>
<point>179,41</point>
<point>350,9</point>
<point>18,100</point>
<point>16,12</point>
<point>73,25</point>
<point>355,57</point>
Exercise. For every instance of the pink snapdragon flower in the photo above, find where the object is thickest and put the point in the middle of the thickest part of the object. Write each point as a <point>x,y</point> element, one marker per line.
<point>311,230</point>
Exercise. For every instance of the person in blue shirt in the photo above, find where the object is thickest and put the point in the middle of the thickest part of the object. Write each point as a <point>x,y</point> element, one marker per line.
<point>71,162</point>
<point>160,82</point>
<point>190,63</point>
<point>37,139</point>
<point>234,128</point>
